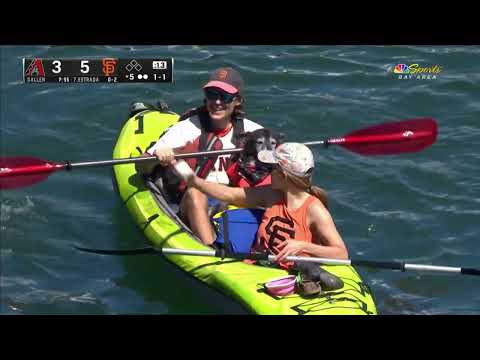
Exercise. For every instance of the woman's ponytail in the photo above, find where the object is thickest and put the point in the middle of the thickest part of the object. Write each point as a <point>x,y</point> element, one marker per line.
<point>306,184</point>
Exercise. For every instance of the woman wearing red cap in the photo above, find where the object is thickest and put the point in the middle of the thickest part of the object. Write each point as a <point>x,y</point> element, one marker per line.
<point>213,126</point>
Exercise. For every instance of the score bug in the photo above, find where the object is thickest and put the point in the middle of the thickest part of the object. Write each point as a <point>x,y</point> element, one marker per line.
<point>106,70</point>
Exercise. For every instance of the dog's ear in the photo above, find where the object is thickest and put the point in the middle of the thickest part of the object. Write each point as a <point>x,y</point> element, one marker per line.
<point>281,138</point>
<point>241,139</point>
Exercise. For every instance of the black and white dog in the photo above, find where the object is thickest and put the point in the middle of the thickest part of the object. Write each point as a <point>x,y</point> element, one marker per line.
<point>249,167</point>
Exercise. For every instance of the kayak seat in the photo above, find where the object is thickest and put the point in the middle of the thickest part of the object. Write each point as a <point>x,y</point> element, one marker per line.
<point>167,183</point>
<point>237,228</point>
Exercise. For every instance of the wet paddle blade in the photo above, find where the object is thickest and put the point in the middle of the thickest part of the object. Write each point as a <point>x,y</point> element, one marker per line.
<point>391,138</point>
<point>18,172</point>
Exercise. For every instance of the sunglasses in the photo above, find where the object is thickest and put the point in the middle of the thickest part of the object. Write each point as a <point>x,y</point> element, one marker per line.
<point>212,94</point>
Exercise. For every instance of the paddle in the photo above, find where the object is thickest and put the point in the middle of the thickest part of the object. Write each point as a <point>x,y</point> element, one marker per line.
<point>391,265</point>
<point>384,139</point>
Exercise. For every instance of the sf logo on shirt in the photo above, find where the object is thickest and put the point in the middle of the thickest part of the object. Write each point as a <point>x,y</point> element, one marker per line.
<point>276,228</point>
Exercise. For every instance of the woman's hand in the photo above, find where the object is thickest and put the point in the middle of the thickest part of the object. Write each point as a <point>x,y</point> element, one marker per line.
<point>165,155</point>
<point>290,248</point>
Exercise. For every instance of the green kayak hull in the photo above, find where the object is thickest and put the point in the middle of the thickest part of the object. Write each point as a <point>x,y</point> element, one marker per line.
<point>241,282</point>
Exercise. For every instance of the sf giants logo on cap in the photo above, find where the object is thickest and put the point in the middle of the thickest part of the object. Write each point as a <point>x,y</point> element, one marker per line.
<point>222,74</point>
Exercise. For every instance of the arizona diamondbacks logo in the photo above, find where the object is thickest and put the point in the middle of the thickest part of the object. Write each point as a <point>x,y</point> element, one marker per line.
<point>35,68</point>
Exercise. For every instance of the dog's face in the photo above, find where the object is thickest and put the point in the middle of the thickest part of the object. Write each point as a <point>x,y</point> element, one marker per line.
<point>261,139</point>
<point>252,142</point>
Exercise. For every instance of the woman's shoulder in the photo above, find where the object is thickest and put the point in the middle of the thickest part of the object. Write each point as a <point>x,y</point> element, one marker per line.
<point>317,209</point>
<point>318,215</point>
<point>189,123</point>
<point>181,132</point>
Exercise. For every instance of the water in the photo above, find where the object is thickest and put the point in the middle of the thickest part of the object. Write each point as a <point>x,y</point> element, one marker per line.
<point>421,208</point>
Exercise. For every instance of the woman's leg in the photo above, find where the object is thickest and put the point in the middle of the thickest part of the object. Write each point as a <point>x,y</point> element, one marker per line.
<point>194,210</point>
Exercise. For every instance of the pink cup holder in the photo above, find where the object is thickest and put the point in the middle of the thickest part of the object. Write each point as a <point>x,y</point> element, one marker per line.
<point>281,286</point>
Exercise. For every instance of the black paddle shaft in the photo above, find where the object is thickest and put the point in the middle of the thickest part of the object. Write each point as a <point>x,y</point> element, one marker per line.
<point>139,159</point>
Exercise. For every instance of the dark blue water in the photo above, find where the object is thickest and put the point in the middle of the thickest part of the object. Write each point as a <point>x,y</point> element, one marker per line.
<point>422,208</point>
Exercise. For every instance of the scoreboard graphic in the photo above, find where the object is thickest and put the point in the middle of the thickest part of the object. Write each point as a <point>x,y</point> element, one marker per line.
<point>105,70</point>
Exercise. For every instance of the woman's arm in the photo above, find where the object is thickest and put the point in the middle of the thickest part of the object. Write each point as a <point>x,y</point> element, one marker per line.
<point>247,197</point>
<point>231,195</point>
<point>327,242</point>
<point>165,156</point>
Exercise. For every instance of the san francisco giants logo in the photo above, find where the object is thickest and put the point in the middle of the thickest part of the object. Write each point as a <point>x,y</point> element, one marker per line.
<point>108,66</point>
<point>274,229</point>
<point>222,74</point>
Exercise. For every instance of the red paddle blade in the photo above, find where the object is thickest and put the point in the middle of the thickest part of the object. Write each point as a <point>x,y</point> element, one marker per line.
<point>18,172</point>
<point>391,138</point>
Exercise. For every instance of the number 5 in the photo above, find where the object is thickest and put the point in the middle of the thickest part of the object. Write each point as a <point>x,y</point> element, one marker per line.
<point>84,67</point>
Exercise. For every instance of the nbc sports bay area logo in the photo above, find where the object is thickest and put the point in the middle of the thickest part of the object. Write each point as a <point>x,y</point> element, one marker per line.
<point>416,72</point>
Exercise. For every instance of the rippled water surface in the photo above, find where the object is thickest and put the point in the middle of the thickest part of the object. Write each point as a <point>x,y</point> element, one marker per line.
<point>422,208</point>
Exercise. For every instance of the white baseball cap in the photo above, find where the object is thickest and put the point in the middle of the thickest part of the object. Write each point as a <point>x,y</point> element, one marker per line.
<point>294,158</point>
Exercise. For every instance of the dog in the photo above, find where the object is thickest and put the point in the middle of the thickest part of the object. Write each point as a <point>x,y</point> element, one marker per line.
<point>247,164</point>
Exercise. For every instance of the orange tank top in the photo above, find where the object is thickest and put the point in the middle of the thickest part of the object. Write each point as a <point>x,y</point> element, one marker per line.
<point>280,223</point>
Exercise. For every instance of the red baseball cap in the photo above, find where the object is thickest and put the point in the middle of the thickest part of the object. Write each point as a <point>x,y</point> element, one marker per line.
<point>227,79</point>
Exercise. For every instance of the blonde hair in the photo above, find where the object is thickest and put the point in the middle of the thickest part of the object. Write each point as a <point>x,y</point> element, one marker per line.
<point>305,183</point>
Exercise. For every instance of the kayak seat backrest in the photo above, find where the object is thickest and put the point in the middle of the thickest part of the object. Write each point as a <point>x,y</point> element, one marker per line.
<point>242,226</point>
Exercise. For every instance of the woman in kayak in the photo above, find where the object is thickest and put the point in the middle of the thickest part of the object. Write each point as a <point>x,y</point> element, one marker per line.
<point>296,220</point>
<point>213,126</point>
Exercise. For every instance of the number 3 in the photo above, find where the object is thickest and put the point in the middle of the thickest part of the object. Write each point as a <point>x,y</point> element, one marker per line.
<point>58,66</point>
